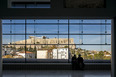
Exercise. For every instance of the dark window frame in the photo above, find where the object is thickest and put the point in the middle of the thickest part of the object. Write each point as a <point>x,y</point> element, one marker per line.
<point>57,34</point>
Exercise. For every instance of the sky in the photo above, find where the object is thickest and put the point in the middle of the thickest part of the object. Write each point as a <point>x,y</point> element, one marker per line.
<point>45,26</point>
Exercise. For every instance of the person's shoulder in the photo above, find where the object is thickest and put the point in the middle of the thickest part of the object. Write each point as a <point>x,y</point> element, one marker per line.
<point>81,57</point>
<point>73,57</point>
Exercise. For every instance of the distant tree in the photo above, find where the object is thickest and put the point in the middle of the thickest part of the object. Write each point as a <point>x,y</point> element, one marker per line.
<point>35,50</point>
<point>65,46</point>
<point>101,55</point>
<point>7,47</point>
<point>79,50</point>
<point>20,49</point>
<point>38,42</point>
<point>53,47</point>
<point>10,46</point>
<point>96,56</point>
<point>90,57</point>
<point>85,55</point>
<point>14,47</point>
<point>30,49</point>
<point>77,53</point>
<point>72,51</point>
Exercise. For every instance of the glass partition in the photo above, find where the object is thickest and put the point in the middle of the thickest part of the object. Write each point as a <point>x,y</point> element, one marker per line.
<point>55,39</point>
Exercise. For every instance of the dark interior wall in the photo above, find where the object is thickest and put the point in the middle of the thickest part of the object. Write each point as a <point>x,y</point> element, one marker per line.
<point>85,3</point>
<point>58,10</point>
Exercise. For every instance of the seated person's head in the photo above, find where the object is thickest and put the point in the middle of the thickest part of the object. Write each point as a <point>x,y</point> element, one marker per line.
<point>74,55</point>
<point>79,55</point>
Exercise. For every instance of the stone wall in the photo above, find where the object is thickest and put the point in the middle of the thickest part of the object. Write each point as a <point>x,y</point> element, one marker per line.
<point>44,41</point>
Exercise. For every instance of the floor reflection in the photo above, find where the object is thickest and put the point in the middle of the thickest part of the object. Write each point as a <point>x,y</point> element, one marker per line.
<point>56,73</point>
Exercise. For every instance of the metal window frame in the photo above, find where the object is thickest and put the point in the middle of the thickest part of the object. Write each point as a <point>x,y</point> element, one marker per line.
<point>68,34</point>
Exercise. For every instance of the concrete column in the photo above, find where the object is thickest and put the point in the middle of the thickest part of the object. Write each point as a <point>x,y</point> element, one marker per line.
<point>0,48</point>
<point>113,61</point>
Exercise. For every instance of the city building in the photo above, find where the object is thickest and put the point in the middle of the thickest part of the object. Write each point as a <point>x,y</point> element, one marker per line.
<point>26,54</point>
<point>42,54</point>
<point>60,53</point>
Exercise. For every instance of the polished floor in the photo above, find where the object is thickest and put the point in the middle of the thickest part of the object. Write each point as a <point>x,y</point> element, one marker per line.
<point>56,73</point>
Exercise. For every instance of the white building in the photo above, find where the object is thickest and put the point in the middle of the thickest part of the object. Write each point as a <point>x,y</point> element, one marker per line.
<point>21,54</point>
<point>26,54</point>
<point>42,54</point>
<point>60,53</point>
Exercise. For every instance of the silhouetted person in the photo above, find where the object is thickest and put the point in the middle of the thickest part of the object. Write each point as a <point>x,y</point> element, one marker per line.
<point>80,62</point>
<point>5,53</point>
<point>74,62</point>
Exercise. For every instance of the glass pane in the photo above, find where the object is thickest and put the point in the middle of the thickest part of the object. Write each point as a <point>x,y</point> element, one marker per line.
<point>5,21</point>
<point>43,5</point>
<point>108,29</point>
<point>47,21</point>
<point>93,29</point>
<point>6,39</point>
<point>45,51</point>
<point>96,52</point>
<point>30,21</point>
<point>108,38</point>
<point>30,29</point>
<point>31,51</point>
<point>46,28</point>
<point>101,52</point>
<point>18,28</point>
<point>63,39</point>
<point>42,39</point>
<point>18,5</point>
<point>6,28</point>
<point>17,21</point>
<point>18,39</point>
<point>63,29</point>
<point>13,39</point>
<point>63,26</point>
<point>94,21</point>
<point>93,39</point>
<point>13,51</point>
<point>30,39</point>
<point>74,29</point>
<point>60,52</point>
<point>75,39</point>
<point>74,21</point>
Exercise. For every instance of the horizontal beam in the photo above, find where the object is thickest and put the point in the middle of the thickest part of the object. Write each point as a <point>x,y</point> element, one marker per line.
<point>34,13</point>
<point>54,34</point>
<point>56,23</point>
<point>56,44</point>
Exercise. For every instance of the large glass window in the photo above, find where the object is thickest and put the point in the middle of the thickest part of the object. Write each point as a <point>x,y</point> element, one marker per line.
<point>57,39</point>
